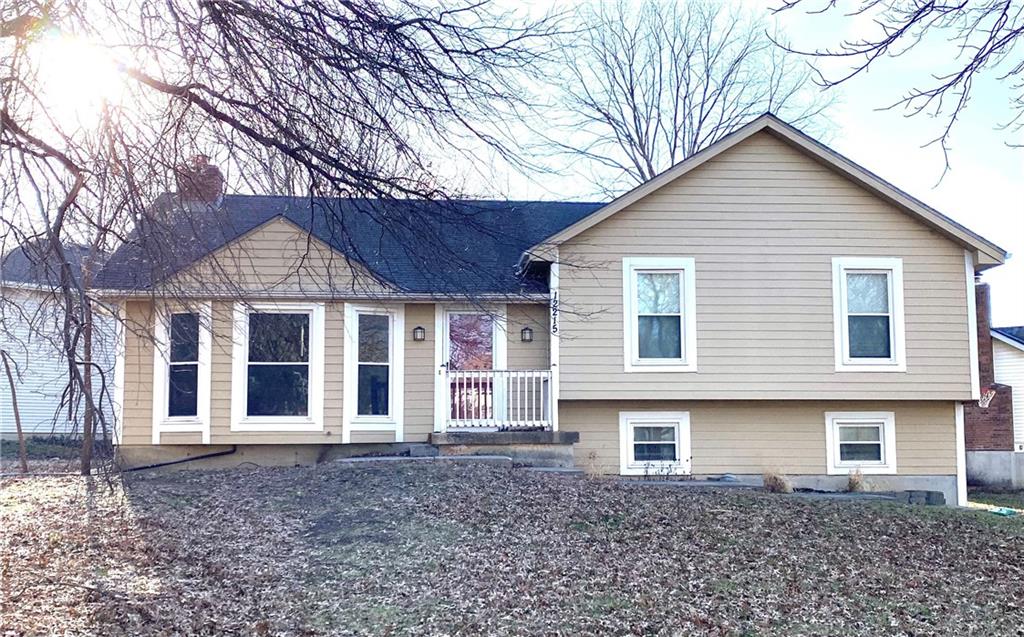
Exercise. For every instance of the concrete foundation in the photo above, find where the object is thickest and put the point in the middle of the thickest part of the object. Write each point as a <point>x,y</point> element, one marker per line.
<point>531,449</point>
<point>229,456</point>
<point>880,484</point>
<point>1003,469</point>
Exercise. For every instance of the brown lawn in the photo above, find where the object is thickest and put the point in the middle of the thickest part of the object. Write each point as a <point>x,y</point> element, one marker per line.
<point>429,548</point>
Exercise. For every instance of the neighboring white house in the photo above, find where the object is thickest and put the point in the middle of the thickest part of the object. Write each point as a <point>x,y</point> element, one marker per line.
<point>30,320</point>
<point>1008,360</point>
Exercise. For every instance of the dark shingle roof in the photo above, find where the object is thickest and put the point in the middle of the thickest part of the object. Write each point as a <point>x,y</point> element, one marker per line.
<point>34,264</point>
<point>453,247</point>
<point>1015,333</point>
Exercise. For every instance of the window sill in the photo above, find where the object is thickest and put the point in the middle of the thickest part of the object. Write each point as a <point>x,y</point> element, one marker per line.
<point>277,424</point>
<point>181,424</point>
<point>373,424</point>
<point>660,367</point>
<point>868,470</point>
<point>656,469</point>
<point>871,367</point>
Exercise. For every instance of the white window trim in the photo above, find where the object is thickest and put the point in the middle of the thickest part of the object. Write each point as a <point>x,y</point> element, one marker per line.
<point>394,421</point>
<point>162,423</point>
<point>972,325</point>
<point>688,299</point>
<point>833,419</point>
<point>120,350</point>
<point>897,329</point>
<point>629,419</point>
<point>240,421</point>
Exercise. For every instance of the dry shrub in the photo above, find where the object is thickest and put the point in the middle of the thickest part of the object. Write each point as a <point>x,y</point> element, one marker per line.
<point>856,483</point>
<point>777,482</point>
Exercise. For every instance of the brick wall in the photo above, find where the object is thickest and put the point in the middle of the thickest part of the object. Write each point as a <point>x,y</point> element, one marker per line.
<point>988,428</point>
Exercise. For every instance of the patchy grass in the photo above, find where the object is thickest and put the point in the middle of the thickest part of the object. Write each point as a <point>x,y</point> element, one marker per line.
<point>1007,498</point>
<point>42,448</point>
<point>49,454</point>
<point>435,548</point>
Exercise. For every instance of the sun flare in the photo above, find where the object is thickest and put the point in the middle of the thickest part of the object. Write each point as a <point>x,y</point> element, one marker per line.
<point>76,76</point>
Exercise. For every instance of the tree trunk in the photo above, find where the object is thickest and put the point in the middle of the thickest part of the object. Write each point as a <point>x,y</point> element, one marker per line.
<point>88,425</point>
<point>22,452</point>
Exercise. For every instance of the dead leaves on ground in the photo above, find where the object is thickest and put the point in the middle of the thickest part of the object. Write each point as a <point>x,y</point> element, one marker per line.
<point>469,549</point>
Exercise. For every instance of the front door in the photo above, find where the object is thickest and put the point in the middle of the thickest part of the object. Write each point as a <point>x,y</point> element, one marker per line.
<point>470,356</point>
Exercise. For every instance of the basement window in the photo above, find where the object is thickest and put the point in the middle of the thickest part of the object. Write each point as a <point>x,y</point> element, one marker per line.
<point>860,441</point>
<point>654,443</point>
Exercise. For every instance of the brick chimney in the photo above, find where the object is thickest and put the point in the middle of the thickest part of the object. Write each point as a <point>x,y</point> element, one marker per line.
<point>988,428</point>
<point>200,182</point>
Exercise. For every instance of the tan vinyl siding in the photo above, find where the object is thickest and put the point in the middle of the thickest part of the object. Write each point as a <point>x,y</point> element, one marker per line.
<point>535,355</point>
<point>749,437</point>
<point>763,222</point>
<point>1009,368</point>
<point>181,438</point>
<point>138,374</point>
<point>277,258</point>
<point>420,373</point>
<point>373,436</point>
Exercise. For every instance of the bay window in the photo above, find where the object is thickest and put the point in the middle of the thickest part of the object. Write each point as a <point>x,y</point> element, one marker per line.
<point>277,379</point>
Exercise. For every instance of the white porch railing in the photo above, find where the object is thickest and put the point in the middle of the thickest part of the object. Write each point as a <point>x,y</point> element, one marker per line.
<point>499,399</point>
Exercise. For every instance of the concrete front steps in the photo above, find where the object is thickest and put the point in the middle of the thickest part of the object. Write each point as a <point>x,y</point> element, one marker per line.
<point>538,449</point>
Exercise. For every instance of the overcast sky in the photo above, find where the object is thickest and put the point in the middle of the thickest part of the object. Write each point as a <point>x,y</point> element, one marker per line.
<point>984,188</point>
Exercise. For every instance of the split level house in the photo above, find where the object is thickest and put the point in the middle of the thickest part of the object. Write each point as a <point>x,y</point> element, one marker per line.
<point>767,304</point>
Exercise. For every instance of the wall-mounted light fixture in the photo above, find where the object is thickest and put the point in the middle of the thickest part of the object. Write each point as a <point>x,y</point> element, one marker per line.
<point>527,335</point>
<point>419,334</point>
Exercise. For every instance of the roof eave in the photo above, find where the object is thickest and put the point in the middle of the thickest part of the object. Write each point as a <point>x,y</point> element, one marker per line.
<point>1009,340</point>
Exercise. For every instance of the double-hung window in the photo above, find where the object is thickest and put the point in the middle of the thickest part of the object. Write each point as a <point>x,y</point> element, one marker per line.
<point>183,366</point>
<point>859,441</point>
<point>659,318</point>
<point>374,365</point>
<point>652,443</point>
<point>277,378</point>
<point>181,371</point>
<point>277,381</point>
<point>374,355</point>
<point>868,314</point>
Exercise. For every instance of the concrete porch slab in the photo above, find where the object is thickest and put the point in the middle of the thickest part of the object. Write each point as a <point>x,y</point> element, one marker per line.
<point>495,438</point>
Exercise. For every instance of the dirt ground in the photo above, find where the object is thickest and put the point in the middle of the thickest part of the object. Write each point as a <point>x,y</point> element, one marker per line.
<point>435,548</point>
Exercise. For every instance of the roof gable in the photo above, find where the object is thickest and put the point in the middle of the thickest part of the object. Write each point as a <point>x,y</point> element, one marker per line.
<point>419,247</point>
<point>986,253</point>
<point>278,257</point>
